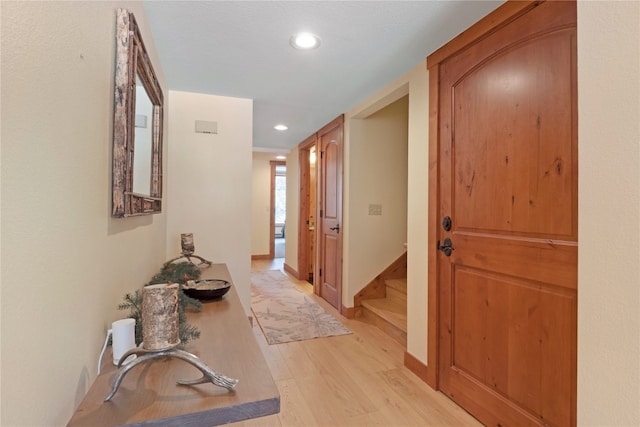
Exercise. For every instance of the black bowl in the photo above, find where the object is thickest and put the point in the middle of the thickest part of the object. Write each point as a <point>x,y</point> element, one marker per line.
<point>207,289</point>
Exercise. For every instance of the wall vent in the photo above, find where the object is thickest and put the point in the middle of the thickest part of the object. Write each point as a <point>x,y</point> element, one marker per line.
<point>203,126</point>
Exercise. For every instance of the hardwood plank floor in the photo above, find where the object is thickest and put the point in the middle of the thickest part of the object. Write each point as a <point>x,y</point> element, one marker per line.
<point>349,380</point>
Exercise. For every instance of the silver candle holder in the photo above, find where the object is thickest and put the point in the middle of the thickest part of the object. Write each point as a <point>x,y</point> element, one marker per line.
<point>161,337</point>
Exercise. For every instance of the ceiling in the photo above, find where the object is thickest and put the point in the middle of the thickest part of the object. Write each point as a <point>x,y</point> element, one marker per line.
<point>241,49</point>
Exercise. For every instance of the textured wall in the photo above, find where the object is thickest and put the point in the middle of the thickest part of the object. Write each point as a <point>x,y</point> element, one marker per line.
<point>66,263</point>
<point>209,182</point>
<point>377,176</point>
<point>417,212</point>
<point>415,84</point>
<point>293,216</point>
<point>261,203</point>
<point>609,213</point>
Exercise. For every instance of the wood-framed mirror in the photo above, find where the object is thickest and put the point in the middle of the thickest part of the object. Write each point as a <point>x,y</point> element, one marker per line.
<point>137,131</point>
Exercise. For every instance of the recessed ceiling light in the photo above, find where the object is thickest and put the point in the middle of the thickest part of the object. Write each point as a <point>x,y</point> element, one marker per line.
<point>304,41</point>
<point>280,127</point>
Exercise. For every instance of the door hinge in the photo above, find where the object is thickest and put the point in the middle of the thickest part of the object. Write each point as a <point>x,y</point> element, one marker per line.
<point>320,272</point>
<point>321,213</point>
<point>322,154</point>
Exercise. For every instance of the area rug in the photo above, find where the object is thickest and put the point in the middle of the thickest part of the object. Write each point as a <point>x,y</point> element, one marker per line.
<point>286,314</point>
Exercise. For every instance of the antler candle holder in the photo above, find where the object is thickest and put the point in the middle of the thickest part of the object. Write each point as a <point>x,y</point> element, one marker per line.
<point>188,249</point>
<point>160,335</point>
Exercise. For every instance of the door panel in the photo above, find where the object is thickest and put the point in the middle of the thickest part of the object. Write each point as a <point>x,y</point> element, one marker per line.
<point>510,338</point>
<point>507,177</point>
<point>498,114</point>
<point>329,290</point>
<point>330,247</point>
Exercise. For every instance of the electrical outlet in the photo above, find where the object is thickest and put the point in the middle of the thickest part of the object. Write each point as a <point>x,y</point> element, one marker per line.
<point>375,209</point>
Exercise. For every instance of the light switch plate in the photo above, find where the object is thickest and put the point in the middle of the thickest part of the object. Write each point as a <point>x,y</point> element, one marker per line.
<point>375,209</point>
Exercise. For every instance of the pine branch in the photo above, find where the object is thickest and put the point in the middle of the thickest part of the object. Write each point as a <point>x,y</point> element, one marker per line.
<point>133,301</point>
<point>179,272</point>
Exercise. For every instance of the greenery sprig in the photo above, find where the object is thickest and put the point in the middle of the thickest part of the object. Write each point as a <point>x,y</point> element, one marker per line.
<point>179,272</point>
<point>170,273</point>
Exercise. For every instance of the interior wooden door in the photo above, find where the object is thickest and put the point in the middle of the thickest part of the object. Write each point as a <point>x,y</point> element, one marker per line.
<point>308,209</point>
<point>507,217</point>
<point>330,220</point>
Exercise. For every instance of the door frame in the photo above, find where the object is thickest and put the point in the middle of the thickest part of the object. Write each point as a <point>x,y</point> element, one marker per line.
<point>272,210</point>
<point>336,123</point>
<point>497,19</point>
<point>304,149</point>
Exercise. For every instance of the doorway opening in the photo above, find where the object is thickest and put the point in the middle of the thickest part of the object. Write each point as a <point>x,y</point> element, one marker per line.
<point>319,238</point>
<point>278,209</point>
<point>308,206</point>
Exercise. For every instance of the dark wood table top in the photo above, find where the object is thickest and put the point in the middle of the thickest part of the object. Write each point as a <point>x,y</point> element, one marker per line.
<point>149,394</point>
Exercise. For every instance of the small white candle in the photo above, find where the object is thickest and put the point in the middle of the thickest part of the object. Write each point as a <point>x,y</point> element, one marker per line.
<point>123,337</point>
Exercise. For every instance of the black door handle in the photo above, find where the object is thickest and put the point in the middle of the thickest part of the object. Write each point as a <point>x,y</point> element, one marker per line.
<point>336,228</point>
<point>446,247</point>
<point>446,223</point>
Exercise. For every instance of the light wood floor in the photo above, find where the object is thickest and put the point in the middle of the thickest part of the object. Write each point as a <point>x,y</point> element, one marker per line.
<point>349,380</point>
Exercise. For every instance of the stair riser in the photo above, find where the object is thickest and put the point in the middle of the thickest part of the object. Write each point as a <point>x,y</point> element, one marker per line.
<point>396,296</point>
<point>399,285</point>
<point>391,330</point>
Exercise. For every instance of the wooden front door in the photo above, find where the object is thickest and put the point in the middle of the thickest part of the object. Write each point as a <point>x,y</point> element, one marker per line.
<point>330,204</point>
<point>506,223</point>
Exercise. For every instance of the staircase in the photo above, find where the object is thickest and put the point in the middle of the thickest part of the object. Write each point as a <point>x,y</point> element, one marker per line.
<point>389,313</point>
<point>383,302</point>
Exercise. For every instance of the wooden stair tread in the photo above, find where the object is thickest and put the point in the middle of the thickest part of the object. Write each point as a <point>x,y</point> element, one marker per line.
<point>399,285</point>
<point>383,301</point>
<point>389,310</point>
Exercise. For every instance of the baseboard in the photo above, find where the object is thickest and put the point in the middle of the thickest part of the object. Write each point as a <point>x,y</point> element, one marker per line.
<point>348,312</point>
<point>265,256</point>
<point>416,366</point>
<point>290,270</point>
<point>357,312</point>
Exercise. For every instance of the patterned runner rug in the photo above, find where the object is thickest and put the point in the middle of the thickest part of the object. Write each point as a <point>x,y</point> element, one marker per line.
<point>286,314</point>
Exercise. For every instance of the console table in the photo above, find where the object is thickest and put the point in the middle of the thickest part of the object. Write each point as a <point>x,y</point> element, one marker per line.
<point>149,394</point>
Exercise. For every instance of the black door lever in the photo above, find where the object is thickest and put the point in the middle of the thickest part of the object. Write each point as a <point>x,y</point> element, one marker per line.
<point>446,247</point>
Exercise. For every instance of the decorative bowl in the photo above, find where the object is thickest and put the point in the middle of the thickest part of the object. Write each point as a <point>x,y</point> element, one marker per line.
<point>206,289</point>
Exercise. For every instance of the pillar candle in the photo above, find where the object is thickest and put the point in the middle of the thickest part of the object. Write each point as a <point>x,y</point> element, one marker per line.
<point>160,328</point>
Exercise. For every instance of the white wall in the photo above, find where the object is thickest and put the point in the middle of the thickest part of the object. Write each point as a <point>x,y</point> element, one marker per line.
<point>261,203</point>
<point>209,182</point>
<point>293,213</point>
<point>415,83</point>
<point>609,213</point>
<point>66,263</point>
<point>417,212</point>
<point>377,175</point>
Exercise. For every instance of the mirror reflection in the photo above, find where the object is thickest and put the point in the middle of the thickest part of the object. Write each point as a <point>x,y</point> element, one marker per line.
<point>142,141</point>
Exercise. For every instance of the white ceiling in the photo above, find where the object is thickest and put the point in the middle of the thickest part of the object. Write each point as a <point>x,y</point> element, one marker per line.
<point>241,49</point>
